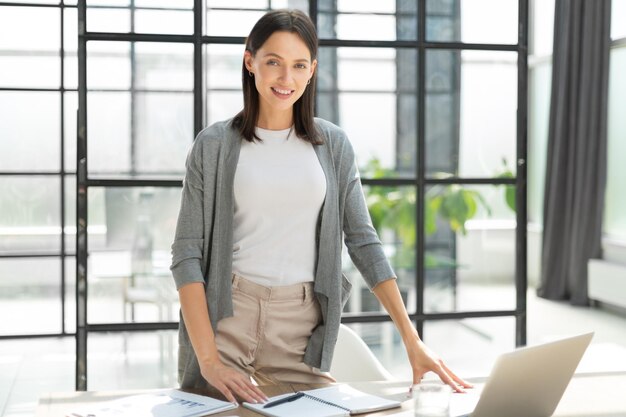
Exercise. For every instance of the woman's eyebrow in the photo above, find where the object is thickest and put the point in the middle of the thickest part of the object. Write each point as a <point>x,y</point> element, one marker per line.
<point>280,57</point>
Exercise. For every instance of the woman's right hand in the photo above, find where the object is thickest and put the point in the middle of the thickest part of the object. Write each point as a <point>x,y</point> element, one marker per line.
<point>231,382</point>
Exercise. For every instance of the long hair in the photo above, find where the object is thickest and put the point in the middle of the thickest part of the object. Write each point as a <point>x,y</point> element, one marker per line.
<point>293,21</point>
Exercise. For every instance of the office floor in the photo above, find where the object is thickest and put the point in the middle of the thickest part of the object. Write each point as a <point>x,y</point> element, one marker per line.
<point>146,360</point>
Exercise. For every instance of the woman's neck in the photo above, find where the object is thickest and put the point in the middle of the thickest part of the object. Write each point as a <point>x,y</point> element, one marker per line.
<point>275,120</point>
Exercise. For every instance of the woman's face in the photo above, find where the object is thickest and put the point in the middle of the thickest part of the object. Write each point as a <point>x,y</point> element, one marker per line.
<point>281,69</point>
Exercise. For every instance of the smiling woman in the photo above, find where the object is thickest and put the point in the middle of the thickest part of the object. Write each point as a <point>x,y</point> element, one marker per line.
<point>267,199</point>
<point>278,75</point>
<point>282,69</point>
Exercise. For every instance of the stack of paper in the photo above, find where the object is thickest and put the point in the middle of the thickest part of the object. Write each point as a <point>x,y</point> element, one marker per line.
<point>169,403</point>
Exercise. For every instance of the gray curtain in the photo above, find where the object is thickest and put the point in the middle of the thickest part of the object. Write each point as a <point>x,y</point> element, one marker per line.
<point>576,162</point>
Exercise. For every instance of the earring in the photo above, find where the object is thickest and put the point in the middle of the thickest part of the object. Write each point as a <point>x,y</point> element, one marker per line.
<point>308,82</point>
<point>250,73</point>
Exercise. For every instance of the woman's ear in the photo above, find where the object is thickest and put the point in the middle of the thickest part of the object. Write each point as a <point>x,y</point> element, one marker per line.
<point>247,60</point>
<point>313,67</point>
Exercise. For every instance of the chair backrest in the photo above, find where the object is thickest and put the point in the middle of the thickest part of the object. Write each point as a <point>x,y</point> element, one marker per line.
<point>354,361</point>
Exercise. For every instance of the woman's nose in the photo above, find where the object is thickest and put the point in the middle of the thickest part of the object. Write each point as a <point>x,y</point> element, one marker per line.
<point>285,74</point>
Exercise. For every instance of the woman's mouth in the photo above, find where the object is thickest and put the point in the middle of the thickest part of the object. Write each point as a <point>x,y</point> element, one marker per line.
<point>282,93</point>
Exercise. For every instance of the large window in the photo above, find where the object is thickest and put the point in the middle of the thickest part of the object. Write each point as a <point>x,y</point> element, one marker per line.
<point>615,213</point>
<point>36,262</point>
<point>432,95</point>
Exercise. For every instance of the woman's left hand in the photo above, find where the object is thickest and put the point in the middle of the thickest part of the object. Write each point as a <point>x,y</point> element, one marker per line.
<point>421,357</point>
<point>424,360</point>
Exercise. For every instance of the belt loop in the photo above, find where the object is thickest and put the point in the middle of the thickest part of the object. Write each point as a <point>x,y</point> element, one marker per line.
<point>235,280</point>
<point>307,292</point>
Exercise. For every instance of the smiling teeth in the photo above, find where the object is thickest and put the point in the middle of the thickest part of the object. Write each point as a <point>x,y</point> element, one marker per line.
<point>281,91</point>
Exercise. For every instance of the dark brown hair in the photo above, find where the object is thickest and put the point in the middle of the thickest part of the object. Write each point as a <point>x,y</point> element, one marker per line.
<point>293,21</point>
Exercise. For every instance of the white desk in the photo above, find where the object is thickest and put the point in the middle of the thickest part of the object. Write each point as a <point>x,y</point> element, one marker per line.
<point>590,395</point>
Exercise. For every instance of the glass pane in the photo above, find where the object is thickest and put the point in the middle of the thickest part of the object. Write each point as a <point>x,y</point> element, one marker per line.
<point>30,39</point>
<point>472,21</point>
<point>223,66</point>
<point>164,66</point>
<point>132,360</point>
<point>223,105</point>
<point>366,6</point>
<point>359,67</point>
<point>161,122</point>
<point>38,1</point>
<point>386,344</point>
<point>220,14</point>
<point>20,136</point>
<point>108,20</point>
<point>69,124</point>
<point>117,3</point>
<point>70,45</point>
<point>108,65</point>
<point>70,294</point>
<point>540,80</point>
<point>223,80</point>
<point>96,215</point>
<point>471,110</point>
<point>31,217</point>
<point>220,22</point>
<point>374,143</point>
<point>259,4</point>
<point>168,17</point>
<point>178,22</point>
<point>238,4</point>
<point>131,230</point>
<point>470,346</point>
<point>542,27</point>
<point>70,213</point>
<point>164,131</point>
<point>23,69</point>
<point>30,298</point>
<point>470,248</point>
<point>618,17</point>
<point>108,127</point>
<point>374,20</point>
<point>175,4</point>
<point>358,84</point>
<point>615,215</point>
<point>392,210</point>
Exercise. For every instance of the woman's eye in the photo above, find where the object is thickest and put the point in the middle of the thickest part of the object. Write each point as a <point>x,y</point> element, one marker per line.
<point>272,62</point>
<point>301,66</point>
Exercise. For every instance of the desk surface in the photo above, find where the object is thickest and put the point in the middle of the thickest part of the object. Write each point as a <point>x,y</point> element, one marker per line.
<point>587,395</point>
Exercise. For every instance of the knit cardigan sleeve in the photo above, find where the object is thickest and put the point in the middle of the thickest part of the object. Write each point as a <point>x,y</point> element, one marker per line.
<point>187,249</point>
<point>364,246</point>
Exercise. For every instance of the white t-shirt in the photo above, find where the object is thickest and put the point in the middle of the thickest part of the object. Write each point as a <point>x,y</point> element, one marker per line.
<point>279,190</point>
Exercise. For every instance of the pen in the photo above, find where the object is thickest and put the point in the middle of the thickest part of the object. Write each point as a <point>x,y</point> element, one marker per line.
<point>284,400</point>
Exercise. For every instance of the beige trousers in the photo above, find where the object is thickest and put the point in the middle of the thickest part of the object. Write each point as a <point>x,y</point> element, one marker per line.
<point>269,331</point>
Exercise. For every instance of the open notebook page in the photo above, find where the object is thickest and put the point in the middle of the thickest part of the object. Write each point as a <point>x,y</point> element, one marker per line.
<point>302,407</point>
<point>354,400</point>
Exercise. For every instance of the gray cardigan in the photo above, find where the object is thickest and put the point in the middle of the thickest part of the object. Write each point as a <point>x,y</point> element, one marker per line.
<point>203,245</point>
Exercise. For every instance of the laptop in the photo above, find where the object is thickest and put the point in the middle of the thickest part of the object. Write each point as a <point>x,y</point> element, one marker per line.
<point>527,382</point>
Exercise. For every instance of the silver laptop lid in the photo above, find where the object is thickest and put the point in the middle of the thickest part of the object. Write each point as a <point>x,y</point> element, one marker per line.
<point>530,381</point>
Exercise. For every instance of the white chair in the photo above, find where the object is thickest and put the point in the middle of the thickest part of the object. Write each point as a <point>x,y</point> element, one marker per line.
<point>354,361</point>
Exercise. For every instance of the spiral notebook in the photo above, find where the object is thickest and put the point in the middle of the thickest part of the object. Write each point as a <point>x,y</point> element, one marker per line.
<point>338,400</point>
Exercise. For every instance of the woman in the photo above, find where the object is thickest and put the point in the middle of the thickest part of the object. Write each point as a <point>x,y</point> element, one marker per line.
<point>266,199</point>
